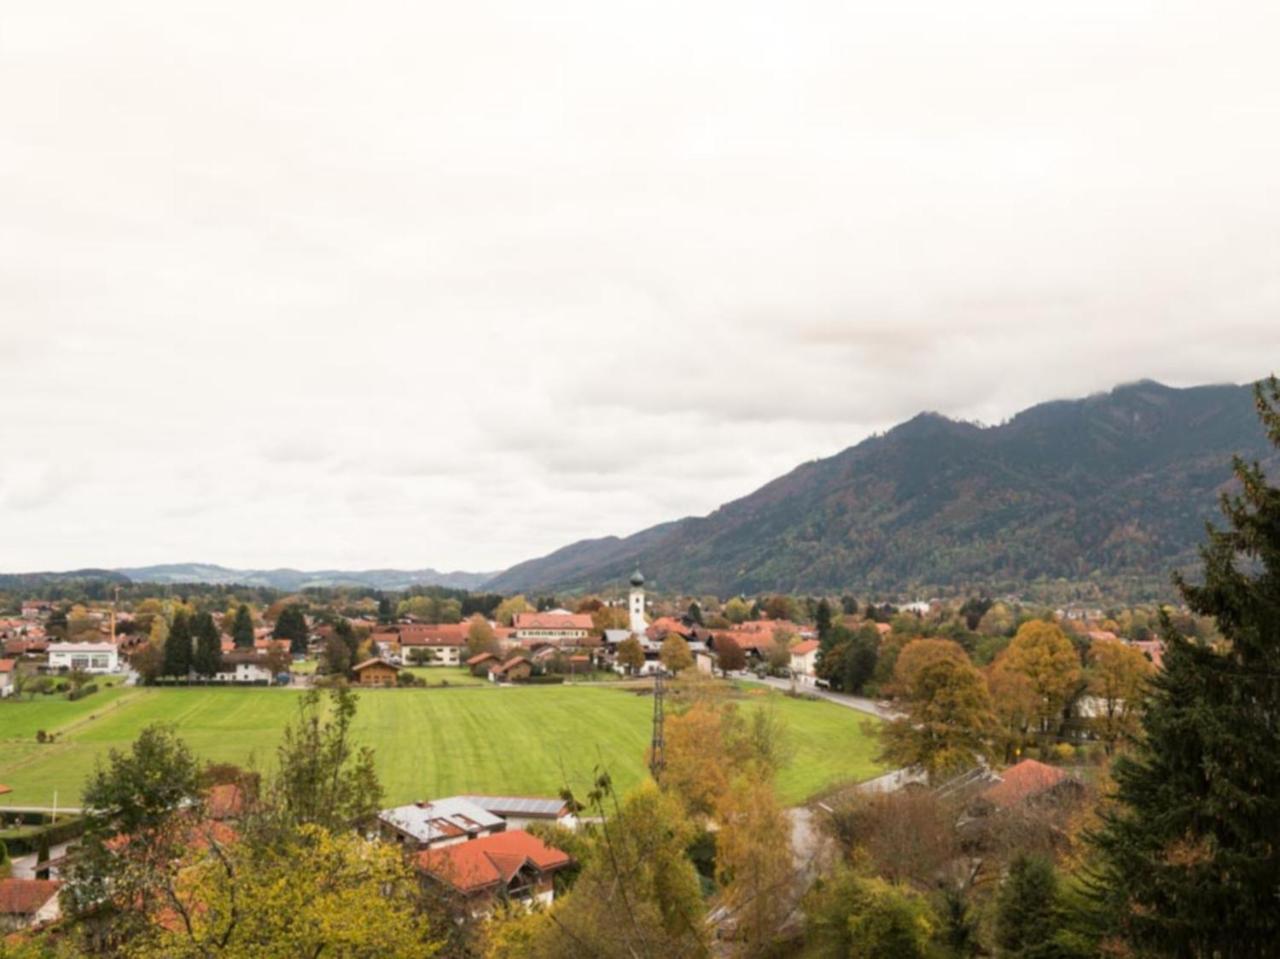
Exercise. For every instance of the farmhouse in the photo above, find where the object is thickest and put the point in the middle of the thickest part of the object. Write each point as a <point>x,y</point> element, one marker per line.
<point>513,670</point>
<point>433,645</point>
<point>375,672</point>
<point>28,902</point>
<point>91,657</point>
<point>443,822</point>
<point>243,666</point>
<point>804,659</point>
<point>507,866</point>
<point>1030,782</point>
<point>480,663</point>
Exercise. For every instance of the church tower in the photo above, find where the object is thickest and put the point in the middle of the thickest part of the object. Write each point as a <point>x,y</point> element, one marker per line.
<point>636,605</point>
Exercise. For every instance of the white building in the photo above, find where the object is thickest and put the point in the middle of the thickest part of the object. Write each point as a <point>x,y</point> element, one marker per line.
<point>638,623</point>
<point>91,657</point>
<point>8,668</point>
<point>243,667</point>
<point>804,662</point>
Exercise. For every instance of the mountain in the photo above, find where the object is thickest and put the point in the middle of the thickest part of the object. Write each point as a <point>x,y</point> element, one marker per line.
<point>1116,486</point>
<point>291,580</point>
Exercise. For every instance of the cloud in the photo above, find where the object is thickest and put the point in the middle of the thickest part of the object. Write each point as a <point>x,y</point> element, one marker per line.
<point>455,286</point>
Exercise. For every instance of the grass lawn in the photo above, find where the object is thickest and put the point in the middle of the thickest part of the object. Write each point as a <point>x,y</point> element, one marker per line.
<point>432,742</point>
<point>453,675</point>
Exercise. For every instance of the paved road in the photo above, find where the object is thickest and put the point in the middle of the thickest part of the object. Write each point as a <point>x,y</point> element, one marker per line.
<point>860,703</point>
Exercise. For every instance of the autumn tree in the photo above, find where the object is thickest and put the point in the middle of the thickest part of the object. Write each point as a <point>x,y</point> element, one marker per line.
<point>307,894</point>
<point>637,895</point>
<point>916,655</point>
<point>1042,652</point>
<point>849,914</point>
<point>480,637</point>
<point>242,628</point>
<point>754,862</point>
<point>510,608</point>
<point>948,721</point>
<point>1118,676</point>
<point>729,655</point>
<point>1188,851</point>
<point>675,653</point>
<point>631,654</point>
<point>737,610</point>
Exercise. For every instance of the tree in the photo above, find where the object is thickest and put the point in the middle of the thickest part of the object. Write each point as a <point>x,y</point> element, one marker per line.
<point>509,609</point>
<point>322,777</point>
<point>637,895</point>
<point>336,658</point>
<point>1027,918</point>
<point>780,607</point>
<point>729,655</point>
<point>916,655</point>
<point>695,613</point>
<point>1188,858</point>
<point>948,722</point>
<point>631,654</point>
<point>308,894</point>
<point>822,620</point>
<point>133,832</point>
<point>292,625</point>
<point>754,862</point>
<point>737,610</point>
<point>675,653</point>
<point>177,648</point>
<point>1042,652</point>
<point>480,637</point>
<point>1118,676</point>
<point>848,914</point>
<point>242,628</point>
<point>207,660</point>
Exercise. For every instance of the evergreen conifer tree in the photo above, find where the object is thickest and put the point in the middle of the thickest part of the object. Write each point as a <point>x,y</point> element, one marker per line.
<point>292,625</point>
<point>177,647</point>
<point>1190,855</point>
<point>822,620</point>
<point>242,628</point>
<point>1026,910</point>
<point>207,660</point>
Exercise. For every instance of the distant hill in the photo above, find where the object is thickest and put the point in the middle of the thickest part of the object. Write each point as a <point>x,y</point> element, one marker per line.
<point>295,579</point>
<point>1116,485</point>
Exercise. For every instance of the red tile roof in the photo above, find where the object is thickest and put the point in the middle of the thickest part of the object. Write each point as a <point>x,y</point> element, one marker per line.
<point>1024,781</point>
<point>808,646</point>
<point>480,658</point>
<point>490,860</point>
<point>503,667</point>
<point>225,801</point>
<point>554,621</point>
<point>24,897</point>
<point>433,634</point>
<point>7,665</point>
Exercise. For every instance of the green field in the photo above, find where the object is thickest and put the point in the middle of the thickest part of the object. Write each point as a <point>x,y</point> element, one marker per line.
<point>429,742</point>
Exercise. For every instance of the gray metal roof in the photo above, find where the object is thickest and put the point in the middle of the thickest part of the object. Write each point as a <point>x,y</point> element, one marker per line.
<point>518,805</point>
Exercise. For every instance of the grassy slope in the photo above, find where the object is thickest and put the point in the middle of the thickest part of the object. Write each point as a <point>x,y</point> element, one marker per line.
<point>429,742</point>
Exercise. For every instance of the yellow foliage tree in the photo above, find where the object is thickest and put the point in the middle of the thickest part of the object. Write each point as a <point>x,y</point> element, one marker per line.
<point>1118,676</point>
<point>675,653</point>
<point>1042,653</point>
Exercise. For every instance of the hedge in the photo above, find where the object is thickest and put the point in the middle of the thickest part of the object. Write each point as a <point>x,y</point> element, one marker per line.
<point>23,840</point>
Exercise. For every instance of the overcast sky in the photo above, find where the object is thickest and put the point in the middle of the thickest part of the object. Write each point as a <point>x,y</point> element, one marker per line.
<point>454,284</point>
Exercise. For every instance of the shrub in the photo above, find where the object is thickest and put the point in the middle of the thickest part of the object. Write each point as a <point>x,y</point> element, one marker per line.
<point>1064,752</point>
<point>83,691</point>
<point>41,736</point>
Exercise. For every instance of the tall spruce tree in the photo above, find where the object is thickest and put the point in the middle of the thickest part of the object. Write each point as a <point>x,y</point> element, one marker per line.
<point>177,647</point>
<point>207,659</point>
<point>292,625</point>
<point>242,628</point>
<point>1190,854</point>
<point>822,620</point>
<point>1026,910</point>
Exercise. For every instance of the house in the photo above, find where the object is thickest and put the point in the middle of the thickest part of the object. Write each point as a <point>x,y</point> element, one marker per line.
<point>512,671</point>
<point>91,657</point>
<point>442,822</point>
<point>520,811</point>
<point>704,662</point>
<point>243,666</point>
<point>1030,782</point>
<point>36,608</point>
<point>376,672</point>
<point>804,662</point>
<point>559,627</point>
<point>480,663</point>
<point>1153,649</point>
<point>440,644</point>
<point>8,669</point>
<point>504,867</point>
<point>25,903</point>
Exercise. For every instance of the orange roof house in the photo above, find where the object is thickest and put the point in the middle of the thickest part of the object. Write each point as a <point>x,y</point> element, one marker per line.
<point>375,672</point>
<point>28,902</point>
<point>512,865</point>
<point>515,668</point>
<point>1028,781</point>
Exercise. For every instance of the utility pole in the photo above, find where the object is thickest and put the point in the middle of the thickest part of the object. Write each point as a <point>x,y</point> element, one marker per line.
<point>656,758</point>
<point>114,599</point>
